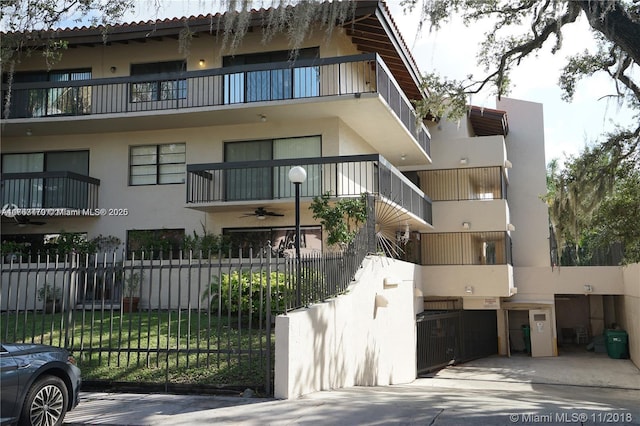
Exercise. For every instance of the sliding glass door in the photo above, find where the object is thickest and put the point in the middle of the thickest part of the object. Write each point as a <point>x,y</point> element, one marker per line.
<point>265,182</point>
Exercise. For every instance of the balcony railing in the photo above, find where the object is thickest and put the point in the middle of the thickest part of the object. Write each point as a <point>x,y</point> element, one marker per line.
<point>341,176</point>
<point>278,81</point>
<point>466,248</point>
<point>65,190</point>
<point>474,183</point>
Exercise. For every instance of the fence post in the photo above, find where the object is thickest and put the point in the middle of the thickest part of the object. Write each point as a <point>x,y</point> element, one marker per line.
<point>371,224</point>
<point>267,384</point>
<point>71,290</point>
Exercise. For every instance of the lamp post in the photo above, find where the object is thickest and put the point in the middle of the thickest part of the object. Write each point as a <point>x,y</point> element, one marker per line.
<point>297,175</point>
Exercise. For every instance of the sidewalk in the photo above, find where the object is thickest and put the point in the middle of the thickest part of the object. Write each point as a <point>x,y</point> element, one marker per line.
<point>486,391</point>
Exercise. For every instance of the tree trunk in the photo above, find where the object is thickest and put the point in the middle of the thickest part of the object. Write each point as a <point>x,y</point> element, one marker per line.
<point>612,20</point>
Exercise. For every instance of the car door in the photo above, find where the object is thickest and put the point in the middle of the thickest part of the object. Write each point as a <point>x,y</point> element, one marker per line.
<point>9,386</point>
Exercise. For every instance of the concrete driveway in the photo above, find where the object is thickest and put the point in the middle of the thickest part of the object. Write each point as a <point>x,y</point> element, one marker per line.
<point>575,367</point>
<point>583,388</point>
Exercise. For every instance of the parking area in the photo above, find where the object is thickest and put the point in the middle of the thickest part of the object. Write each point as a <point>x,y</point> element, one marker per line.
<point>574,366</point>
<point>583,386</point>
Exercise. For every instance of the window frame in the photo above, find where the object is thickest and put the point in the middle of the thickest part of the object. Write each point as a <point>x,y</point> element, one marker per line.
<point>267,191</point>
<point>41,193</point>
<point>280,236</point>
<point>270,84</point>
<point>157,164</point>
<point>45,96</point>
<point>157,85</point>
<point>174,250</point>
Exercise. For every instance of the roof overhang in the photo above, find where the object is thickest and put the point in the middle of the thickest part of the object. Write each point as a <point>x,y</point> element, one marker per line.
<point>488,122</point>
<point>371,28</point>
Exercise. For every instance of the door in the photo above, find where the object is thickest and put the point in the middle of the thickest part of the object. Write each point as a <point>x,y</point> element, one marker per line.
<point>9,379</point>
<point>541,332</point>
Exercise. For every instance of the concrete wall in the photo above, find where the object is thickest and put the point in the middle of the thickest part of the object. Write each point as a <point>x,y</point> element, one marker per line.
<point>628,310</point>
<point>541,284</point>
<point>486,215</point>
<point>208,47</point>
<point>161,206</point>
<point>349,340</point>
<point>452,280</point>
<point>19,290</point>
<point>527,182</point>
<point>483,151</point>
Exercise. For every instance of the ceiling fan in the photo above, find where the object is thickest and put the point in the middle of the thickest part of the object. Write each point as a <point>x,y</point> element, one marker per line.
<point>262,213</point>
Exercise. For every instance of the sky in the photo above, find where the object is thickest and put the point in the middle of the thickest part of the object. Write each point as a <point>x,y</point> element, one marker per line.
<point>451,52</point>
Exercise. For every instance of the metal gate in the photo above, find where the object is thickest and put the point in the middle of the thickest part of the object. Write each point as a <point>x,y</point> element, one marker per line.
<point>451,337</point>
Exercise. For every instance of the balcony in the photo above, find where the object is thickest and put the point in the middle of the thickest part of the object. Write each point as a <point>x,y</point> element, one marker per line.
<point>50,190</point>
<point>473,183</point>
<point>467,264</point>
<point>359,89</point>
<point>466,248</point>
<point>224,184</point>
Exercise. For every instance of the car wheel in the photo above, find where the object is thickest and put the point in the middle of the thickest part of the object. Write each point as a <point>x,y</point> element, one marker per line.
<point>46,403</point>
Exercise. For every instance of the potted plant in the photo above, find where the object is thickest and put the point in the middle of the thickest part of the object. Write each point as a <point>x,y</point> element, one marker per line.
<point>130,294</point>
<point>51,296</point>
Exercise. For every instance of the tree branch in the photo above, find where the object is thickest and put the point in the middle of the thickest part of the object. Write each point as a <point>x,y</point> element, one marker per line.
<point>610,19</point>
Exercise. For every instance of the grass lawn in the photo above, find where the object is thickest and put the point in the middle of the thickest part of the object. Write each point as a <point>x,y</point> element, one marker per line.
<point>182,347</point>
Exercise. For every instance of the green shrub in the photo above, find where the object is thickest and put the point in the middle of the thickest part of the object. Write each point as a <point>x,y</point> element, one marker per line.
<point>206,243</point>
<point>69,242</point>
<point>246,293</point>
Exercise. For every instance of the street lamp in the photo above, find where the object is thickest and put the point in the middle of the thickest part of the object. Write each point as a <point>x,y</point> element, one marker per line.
<point>297,175</point>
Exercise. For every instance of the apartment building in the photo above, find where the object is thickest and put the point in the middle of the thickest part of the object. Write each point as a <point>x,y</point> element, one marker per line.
<point>134,139</point>
<point>490,249</point>
<point>131,135</point>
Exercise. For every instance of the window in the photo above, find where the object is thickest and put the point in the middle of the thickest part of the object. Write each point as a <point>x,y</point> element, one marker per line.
<point>260,182</point>
<point>157,164</point>
<point>155,243</point>
<point>160,88</point>
<point>271,84</point>
<point>51,101</point>
<point>38,191</point>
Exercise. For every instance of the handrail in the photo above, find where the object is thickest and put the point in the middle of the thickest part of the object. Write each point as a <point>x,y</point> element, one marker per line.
<point>44,175</point>
<point>320,77</point>
<point>339,175</point>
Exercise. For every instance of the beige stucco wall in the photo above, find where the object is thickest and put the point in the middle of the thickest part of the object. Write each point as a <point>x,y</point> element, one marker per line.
<point>486,215</point>
<point>537,284</point>
<point>527,182</point>
<point>208,47</point>
<point>451,280</point>
<point>445,129</point>
<point>163,206</point>
<point>628,310</point>
<point>484,151</point>
<point>349,341</point>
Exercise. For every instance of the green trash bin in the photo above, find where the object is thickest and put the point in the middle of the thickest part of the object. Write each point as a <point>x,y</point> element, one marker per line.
<point>617,342</point>
<point>526,335</point>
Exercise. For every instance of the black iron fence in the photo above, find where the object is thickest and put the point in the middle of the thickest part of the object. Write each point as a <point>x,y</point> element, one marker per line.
<point>466,248</point>
<point>202,322</point>
<point>308,78</point>
<point>451,337</point>
<point>65,190</point>
<point>341,176</point>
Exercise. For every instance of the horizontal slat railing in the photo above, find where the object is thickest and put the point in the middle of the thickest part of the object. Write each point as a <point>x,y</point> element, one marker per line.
<point>466,248</point>
<point>277,81</point>
<point>66,190</point>
<point>340,176</point>
<point>472,183</point>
